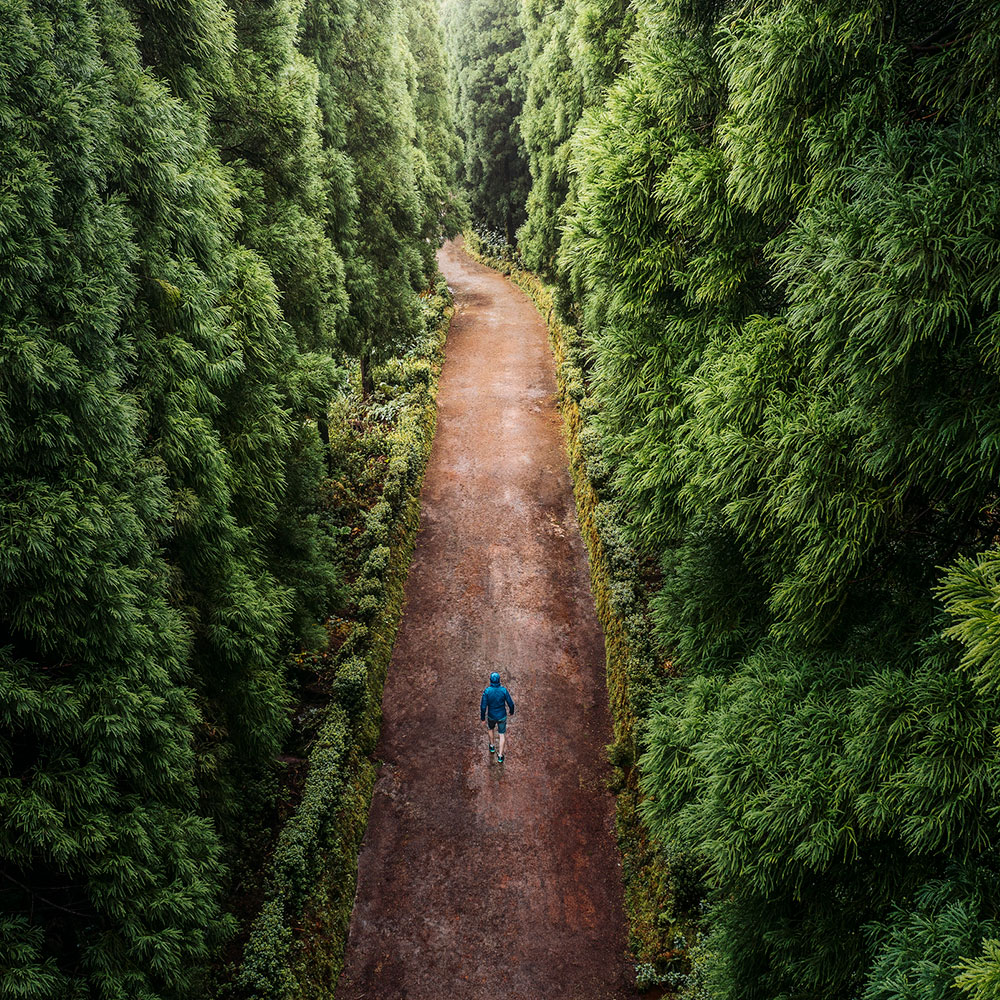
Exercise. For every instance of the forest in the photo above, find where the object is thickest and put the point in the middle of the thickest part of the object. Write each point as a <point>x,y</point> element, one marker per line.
<point>217,285</point>
<point>767,236</point>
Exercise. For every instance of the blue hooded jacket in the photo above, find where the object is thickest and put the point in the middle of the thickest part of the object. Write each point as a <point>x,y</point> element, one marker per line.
<point>493,700</point>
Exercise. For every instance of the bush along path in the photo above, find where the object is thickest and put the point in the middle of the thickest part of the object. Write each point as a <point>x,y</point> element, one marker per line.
<point>295,913</point>
<point>476,877</point>
<point>663,901</point>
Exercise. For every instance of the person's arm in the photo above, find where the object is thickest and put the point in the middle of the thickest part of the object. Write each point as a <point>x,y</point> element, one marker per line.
<point>510,701</point>
<point>482,708</point>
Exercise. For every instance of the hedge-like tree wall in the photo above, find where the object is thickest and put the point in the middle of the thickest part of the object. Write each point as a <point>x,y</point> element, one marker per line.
<point>206,211</point>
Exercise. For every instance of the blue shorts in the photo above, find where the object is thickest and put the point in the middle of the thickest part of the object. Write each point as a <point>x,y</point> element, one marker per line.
<point>501,724</point>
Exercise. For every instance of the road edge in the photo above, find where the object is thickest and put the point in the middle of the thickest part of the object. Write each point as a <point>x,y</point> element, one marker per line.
<point>634,670</point>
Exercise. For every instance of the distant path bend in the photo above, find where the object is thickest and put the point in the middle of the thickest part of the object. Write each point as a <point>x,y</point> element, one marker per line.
<point>481,881</point>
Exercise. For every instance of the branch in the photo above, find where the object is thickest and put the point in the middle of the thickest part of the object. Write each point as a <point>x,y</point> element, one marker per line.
<point>48,902</point>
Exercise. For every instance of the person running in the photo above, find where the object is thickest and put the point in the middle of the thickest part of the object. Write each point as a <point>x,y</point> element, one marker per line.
<point>493,711</point>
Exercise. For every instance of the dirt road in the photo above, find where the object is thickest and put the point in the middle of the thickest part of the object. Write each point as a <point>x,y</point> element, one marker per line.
<point>479,880</point>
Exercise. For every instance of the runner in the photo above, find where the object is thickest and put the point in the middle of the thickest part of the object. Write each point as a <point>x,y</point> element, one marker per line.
<point>495,700</point>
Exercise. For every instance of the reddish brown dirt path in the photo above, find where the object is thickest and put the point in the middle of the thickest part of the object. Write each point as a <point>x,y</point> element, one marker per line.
<point>479,880</point>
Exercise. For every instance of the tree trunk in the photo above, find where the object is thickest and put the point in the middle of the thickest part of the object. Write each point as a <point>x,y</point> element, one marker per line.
<point>367,384</point>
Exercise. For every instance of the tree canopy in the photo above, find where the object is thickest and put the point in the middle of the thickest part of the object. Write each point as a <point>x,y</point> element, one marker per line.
<point>485,42</point>
<point>207,211</point>
<point>773,229</point>
<point>782,248</point>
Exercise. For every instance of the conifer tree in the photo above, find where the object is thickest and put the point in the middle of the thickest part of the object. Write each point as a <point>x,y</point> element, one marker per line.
<point>438,149</point>
<point>211,354</point>
<point>553,104</point>
<point>185,184</point>
<point>573,51</point>
<point>369,128</point>
<point>782,252</point>
<point>267,127</point>
<point>384,270</point>
<point>110,876</point>
<point>485,42</point>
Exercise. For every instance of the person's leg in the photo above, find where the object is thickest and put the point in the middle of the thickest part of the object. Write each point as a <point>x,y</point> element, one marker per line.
<point>501,740</point>
<point>489,734</point>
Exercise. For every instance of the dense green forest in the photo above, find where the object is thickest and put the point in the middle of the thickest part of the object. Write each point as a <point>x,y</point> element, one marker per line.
<point>486,47</point>
<point>773,228</point>
<point>775,225</point>
<point>216,219</point>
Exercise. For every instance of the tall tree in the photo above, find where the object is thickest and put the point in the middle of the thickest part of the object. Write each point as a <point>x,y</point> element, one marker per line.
<point>369,125</point>
<point>438,149</point>
<point>784,254</point>
<point>485,43</point>
<point>573,51</point>
<point>267,127</point>
<point>198,219</point>
<point>110,876</point>
<point>212,359</point>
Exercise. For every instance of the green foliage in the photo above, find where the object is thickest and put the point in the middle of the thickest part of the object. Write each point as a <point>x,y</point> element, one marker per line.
<point>351,686</point>
<point>210,356</point>
<point>780,245</point>
<point>110,874</point>
<point>980,976</point>
<point>485,42</point>
<point>552,107</point>
<point>266,970</point>
<point>267,128</point>
<point>918,948</point>
<point>573,50</point>
<point>384,271</point>
<point>183,188</point>
<point>388,162</point>
<point>438,149</point>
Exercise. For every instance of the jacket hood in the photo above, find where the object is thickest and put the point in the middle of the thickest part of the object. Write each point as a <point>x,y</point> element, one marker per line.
<point>495,679</point>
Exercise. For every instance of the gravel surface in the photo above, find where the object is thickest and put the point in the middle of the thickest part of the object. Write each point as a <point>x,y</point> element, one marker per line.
<point>478,879</point>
